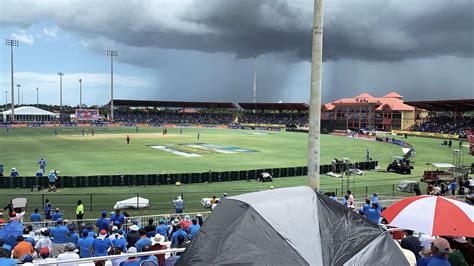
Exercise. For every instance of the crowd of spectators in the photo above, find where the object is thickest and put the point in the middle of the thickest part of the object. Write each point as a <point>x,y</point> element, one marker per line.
<point>275,118</point>
<point>446,125</point>
<point>161,117</point>
<point>51,238</point>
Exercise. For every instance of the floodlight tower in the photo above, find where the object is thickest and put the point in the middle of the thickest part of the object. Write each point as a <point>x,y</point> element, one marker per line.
<point>6,99</point>
<point>37,98</point>
<point>12,43</point>
<point>80,93</point>
<point>255,80</point>
<point>18,85</point>
<point>112,53</point>
<point>314,155</point>
<point>60,74</point>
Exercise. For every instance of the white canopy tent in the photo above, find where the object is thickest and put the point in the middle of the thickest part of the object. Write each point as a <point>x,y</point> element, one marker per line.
<point>29,114</point>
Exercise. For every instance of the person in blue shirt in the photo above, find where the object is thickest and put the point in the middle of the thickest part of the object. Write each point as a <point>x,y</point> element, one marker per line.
<point>52,180</point>
<point>374,198</point>
<point>56,215</point>
<point>72,236</point>
<point>162,229</point>
<point>35,218</point>
<point>117,217</point>
<point>143,241</point>
<point>103,223</point>
<point>440,249</point>
<point>193,229</point>
<point>14,173</point>
<point>365,207</point>
<point>90,230</point>
<point>85,245</point>
<point>5,259</point>
<point>59,233</point>
<point>28,237</point>
<point>453,187</point>
<point>119,240</point>
<point>39,173</point>
<point>101,244</point>
<point>42,164</point>
<point>174,237</point>
<point>373,214</point>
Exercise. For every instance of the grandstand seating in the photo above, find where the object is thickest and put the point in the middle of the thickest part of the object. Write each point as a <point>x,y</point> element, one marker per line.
<point>446,125</point>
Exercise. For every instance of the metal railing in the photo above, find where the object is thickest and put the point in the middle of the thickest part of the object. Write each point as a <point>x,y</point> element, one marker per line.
<point>141,220</point>
<point>110,257</point>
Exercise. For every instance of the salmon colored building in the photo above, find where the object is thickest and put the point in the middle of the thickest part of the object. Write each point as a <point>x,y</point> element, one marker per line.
<point>365,111</point>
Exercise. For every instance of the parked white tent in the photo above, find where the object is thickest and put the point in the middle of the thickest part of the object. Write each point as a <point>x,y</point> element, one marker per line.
<point>132,203</point>
<point>29,114</point>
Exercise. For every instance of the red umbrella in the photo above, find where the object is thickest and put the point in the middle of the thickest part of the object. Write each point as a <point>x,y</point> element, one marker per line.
<point>433,215</point>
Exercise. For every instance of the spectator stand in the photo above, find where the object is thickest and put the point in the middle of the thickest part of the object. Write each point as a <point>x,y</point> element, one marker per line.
<point>274,115</point>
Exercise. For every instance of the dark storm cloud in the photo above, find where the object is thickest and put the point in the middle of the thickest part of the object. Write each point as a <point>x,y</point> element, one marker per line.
<point>379,30</point>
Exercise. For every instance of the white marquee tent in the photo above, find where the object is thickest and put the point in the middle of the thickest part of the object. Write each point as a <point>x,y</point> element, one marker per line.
<point>29,114</point>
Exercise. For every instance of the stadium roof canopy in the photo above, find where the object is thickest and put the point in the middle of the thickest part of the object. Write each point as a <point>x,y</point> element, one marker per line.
<point>275,106</point>
<point>461,105</point>
<point>28,110</point>
<point>143,103</point>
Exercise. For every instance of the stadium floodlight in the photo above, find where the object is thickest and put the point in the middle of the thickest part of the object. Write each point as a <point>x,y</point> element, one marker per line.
<point>314,155</point>
<point>60,74</point>
<point>18,85</point>
<point>37,98</point>
<point>80,93</point>
<point>12,43</point>
<point>6,99</point>
<point>112,53</point>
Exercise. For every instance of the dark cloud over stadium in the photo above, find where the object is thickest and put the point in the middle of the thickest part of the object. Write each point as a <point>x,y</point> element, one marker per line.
<point>415,47</point>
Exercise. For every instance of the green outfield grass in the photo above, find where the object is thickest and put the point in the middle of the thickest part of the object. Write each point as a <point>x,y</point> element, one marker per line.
<point>108,153</point>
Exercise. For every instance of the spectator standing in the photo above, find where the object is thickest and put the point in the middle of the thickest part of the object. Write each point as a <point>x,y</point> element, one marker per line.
<point>22,248</point>
<point>174,237</point>
<point>200,220</point>
<point>59,237</point>
<point>178,204</point>
<point>411,243</point>
<point>143,241</point>
<point>85,245</point>
<point>79,211</point>
<point>103,223</point>
<point>373,214</point>
<point>56,215</point>
<point>133,236</point>
<point>117,217</point>
<point>193,229</point>
<point>69,254</point>
<point>35,218</point>
<point>374,198</point>
<point>439,254</point>
<point>101,244</point>
<point>150,228</point>
<point>162,229</point>
<point>187,221</point>
<point>453,187</point>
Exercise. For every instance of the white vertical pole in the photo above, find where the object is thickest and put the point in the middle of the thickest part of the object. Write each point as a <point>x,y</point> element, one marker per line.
<point>315,97</point>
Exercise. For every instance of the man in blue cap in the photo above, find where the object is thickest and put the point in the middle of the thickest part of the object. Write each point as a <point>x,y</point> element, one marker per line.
<point>103,223</point>
<point>117,216</point>
<point>72,236</point>
<point>56,215</point>
<point>59,233</point>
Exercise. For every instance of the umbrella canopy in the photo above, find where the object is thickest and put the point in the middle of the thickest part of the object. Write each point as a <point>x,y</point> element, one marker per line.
<point>433,215</point>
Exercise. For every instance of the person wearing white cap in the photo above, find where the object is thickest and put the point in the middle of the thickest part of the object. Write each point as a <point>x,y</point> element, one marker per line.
<point>158,243</point>
<point>179,204</point>
<point>69,254</point>
<point>14,173</point>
